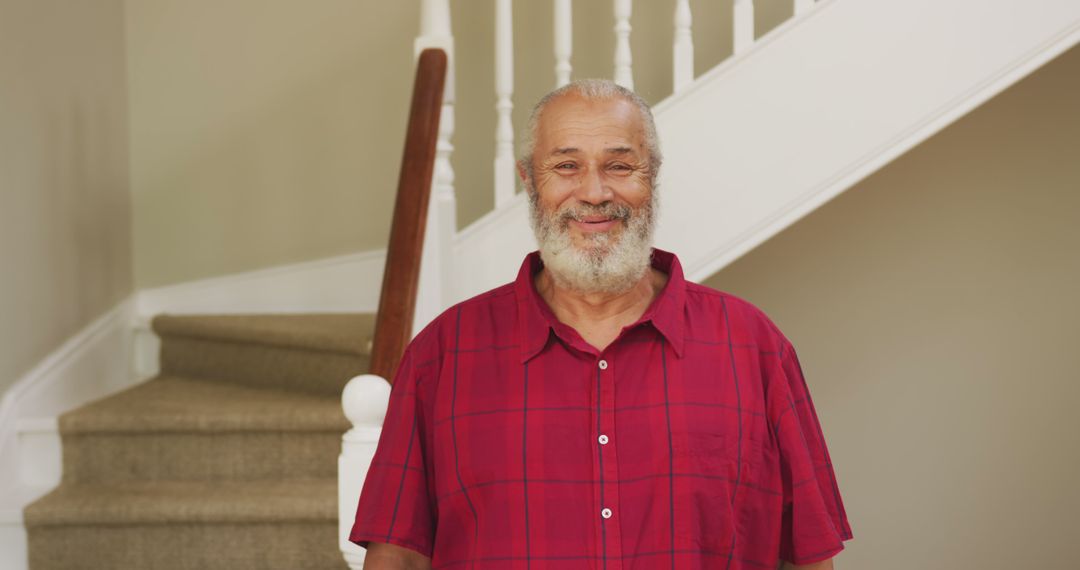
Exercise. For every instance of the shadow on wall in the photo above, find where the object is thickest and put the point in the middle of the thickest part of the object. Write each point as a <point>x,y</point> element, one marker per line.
<point>79,171</point>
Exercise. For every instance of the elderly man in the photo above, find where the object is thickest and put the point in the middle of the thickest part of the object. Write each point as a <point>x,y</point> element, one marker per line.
<point>600,411</point>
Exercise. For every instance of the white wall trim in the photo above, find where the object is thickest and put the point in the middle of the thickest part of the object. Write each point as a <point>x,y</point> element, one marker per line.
<point>346,283</point>
<point>94,362</point>
<point>876,158</point>
<point>489,251</point>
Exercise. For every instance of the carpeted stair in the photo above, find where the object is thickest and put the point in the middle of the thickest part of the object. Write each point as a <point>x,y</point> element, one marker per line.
<point>227,459</point>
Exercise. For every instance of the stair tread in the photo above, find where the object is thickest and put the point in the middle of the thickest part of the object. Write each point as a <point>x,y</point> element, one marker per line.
<point>330,332</point>
<point>180,404</point>
<point>178,502</point>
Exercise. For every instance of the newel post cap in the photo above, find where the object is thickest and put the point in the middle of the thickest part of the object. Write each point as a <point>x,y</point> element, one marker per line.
<point>364,400</point>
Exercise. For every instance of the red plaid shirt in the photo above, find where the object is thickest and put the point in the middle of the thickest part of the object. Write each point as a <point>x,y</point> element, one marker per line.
<point>689,442</point>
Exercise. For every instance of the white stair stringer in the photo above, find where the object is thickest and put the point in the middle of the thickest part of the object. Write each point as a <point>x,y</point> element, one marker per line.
<point>815,106</point>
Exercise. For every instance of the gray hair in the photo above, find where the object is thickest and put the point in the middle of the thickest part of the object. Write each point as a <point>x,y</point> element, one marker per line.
<point>593,90</point>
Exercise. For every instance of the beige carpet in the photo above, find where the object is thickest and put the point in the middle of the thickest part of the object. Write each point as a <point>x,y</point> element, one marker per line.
<point>227,459</point>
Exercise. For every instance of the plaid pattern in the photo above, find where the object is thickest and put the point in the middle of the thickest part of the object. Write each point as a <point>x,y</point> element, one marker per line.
<point>689,442</point>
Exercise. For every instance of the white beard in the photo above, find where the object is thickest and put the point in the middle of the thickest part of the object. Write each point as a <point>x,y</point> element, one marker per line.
<point>606,263</point>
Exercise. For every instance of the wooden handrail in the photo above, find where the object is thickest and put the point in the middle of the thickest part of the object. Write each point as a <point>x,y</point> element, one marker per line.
<point>397,302</point>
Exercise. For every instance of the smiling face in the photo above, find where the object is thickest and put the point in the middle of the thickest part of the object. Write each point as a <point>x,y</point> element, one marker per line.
<point>593,206</point>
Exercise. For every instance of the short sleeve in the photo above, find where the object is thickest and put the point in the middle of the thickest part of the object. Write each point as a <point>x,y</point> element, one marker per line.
<point>395,505</point>
<point>814,524</point>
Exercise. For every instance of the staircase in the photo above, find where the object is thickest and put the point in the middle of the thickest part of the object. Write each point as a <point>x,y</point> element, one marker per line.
<point>226,459</point>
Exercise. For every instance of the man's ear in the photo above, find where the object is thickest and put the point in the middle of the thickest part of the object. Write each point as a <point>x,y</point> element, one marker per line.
<point>524,176</point>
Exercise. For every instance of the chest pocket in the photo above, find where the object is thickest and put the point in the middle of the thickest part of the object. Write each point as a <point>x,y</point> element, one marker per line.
<point>705,452</point>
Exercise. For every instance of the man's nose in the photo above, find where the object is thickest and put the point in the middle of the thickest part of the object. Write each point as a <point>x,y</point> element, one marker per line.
<point>593,188</point>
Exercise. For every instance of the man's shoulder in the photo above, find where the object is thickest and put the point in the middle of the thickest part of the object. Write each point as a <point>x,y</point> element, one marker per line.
<point>480,315</point>
<point>748,323</point>
<point>705,295</point>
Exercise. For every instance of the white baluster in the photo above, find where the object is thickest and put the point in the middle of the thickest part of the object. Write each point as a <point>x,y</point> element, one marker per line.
<point>683,48</point>
<point>563,41</point>
<point>435,291</point>
<point>801,6</point>
<point>364,400</point>
<point>743,18</point>
<point>504,89</point>
<point>624,74</point>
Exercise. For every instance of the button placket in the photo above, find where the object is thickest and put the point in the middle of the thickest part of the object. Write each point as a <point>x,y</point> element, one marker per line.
<point>610,464</point>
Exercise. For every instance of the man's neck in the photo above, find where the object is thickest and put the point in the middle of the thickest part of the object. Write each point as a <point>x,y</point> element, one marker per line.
<point>599,317</point>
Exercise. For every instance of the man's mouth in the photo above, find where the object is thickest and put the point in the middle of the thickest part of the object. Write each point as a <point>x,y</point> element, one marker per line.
<point>594,223</point>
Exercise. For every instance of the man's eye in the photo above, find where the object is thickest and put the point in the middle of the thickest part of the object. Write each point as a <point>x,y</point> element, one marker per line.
<point>619,167</point>
<point>566,166</point>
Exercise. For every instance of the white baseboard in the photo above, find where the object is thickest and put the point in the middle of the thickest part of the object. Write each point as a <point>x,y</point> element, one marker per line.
<point>40,456</point>
<point>13,551</point>
<point>347,283</point>
<point>13,554</point>
<point>92,364</point>
<point>147,348</point>
<point>40,467</point>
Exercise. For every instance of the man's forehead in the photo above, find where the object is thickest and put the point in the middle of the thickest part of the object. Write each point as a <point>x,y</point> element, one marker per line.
<point>574,105</point>
<point>572,124</point>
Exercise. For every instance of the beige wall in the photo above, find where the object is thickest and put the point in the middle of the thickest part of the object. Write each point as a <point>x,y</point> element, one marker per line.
<point>65,230</point>
<point>266,132</point>
<point>935,310</point>
<point>263,132</point>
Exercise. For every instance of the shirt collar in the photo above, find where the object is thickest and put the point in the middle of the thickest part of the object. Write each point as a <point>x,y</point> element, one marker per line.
<point>536,321</point>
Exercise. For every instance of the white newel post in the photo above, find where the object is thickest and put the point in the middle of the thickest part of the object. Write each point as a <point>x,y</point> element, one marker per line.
<point>564,32</point>
<point>435,291</point>
<point>504,89</point>
<point>364,400</point>
<point>683,48</point>
<point>801,6</point>
<point>624,74</point>
<point>366,397</point>
<point>743,20</point>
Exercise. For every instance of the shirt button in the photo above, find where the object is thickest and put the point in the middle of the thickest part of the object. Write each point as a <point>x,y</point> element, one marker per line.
<point>603,440</point>
<point>606,513</point>
<point>603,365</point>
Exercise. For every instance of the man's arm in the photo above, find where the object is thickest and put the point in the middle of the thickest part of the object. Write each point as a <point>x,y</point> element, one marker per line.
<point>823,565</point>
<point>382,556</point>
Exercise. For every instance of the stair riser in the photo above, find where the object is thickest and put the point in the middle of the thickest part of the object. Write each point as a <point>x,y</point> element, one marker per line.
<point>309,371</point>
<point>270,546</point>
<point>186,456</point>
